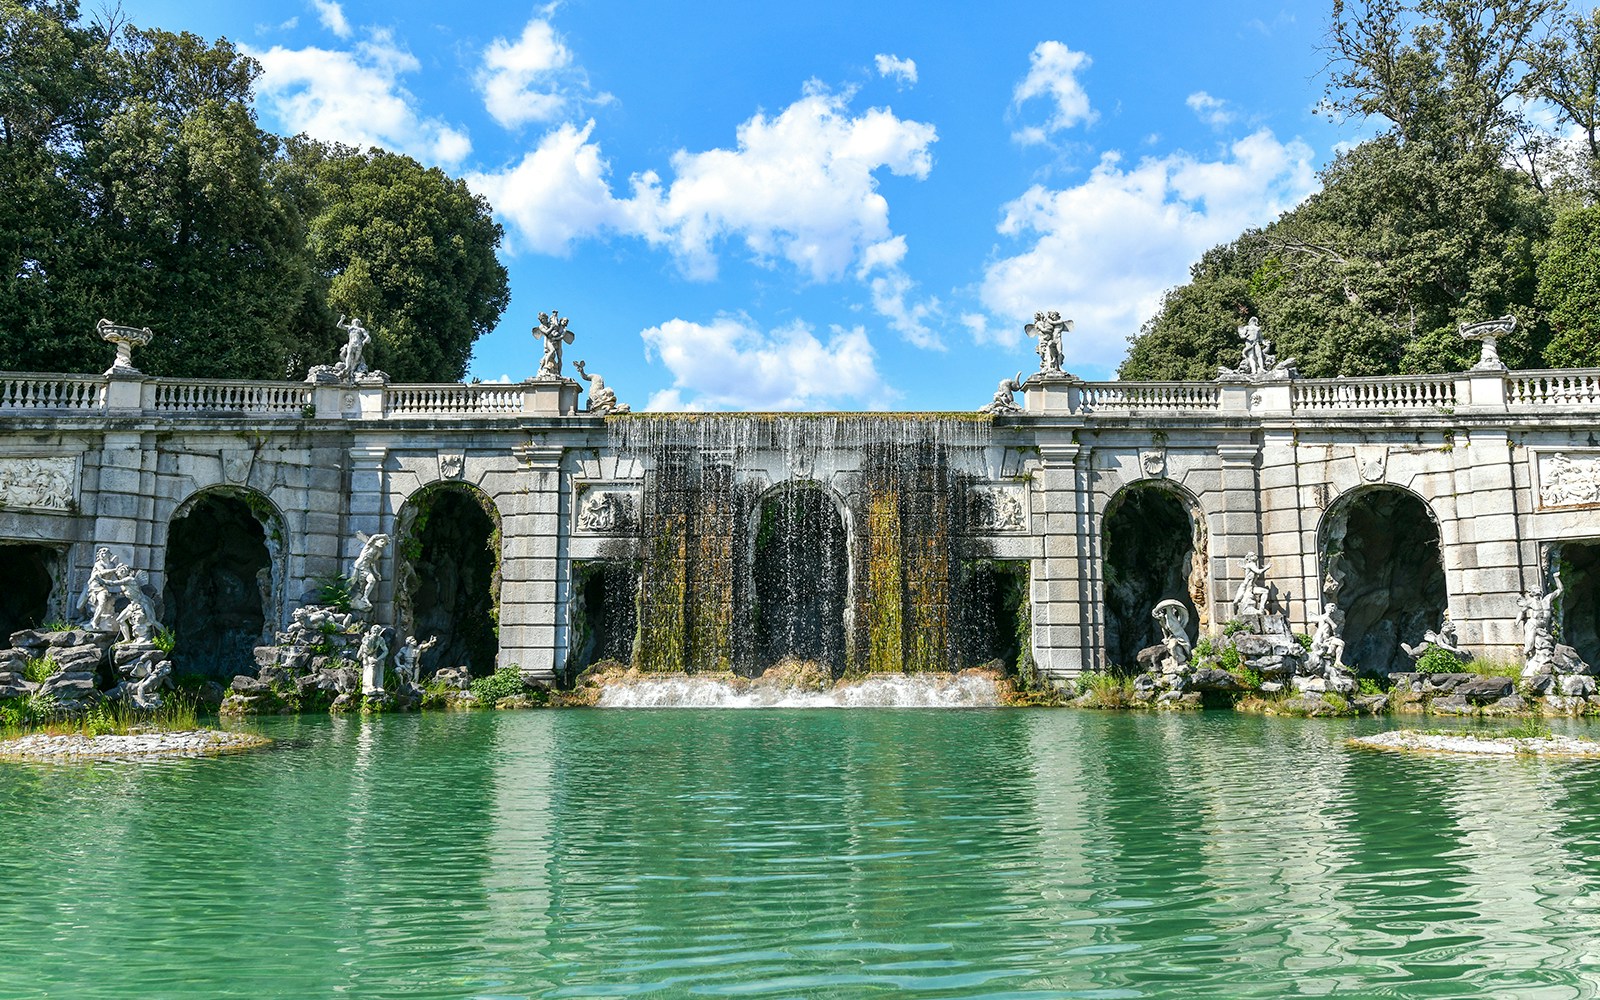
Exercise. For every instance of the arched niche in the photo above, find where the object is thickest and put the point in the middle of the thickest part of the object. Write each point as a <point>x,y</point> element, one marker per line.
<point>800,576</point>
<point>223,579</point>
<point>1153,544</point>
<point>1578,563</point>
<point>1381,564</point>
<point>31,595</point>
<point>447,575</point>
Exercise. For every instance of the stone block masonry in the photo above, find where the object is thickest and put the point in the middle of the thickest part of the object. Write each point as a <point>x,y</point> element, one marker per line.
<point>1492,477</point>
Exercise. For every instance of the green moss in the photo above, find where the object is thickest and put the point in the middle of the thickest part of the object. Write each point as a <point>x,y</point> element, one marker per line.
<point>885,622</point>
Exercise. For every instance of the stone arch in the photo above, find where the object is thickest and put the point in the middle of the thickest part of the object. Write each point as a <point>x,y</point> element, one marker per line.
<point>1153,548</point>
<point>223,579</point>
<point>448,551</point>
<point>801,575</point>
<point>1381,561</point>
<point>1577,564</point>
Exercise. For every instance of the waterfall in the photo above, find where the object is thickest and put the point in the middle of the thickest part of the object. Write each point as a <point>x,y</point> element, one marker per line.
<point>968,689</point>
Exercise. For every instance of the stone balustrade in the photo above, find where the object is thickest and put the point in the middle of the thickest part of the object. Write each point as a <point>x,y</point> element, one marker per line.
<point>1509,391</point>
<point>1388,394</point>
<point>24,391</point>
<point>225,396</point>
<point>450,399</point>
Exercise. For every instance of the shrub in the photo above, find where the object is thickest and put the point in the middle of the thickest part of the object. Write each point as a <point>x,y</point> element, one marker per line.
<point>1367,686</point>
<point>503,683</point>
<point>165,639</point>
<point>1304,641</point>
<point>1438,660</point>
<point>1235,627</point>
<point>1105,690</point>
<point>1529,729</point>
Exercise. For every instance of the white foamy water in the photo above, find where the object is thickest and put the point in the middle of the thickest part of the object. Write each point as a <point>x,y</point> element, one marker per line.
<point>966,690</point>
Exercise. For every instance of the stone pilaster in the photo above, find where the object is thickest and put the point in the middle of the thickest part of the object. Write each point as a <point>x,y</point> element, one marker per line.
<point>534,572</point>
<point>1064,641</point>
<point>368,512</point>
<point>1236,529</point>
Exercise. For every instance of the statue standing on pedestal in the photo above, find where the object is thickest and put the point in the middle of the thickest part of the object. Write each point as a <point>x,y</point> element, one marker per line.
<point>374,651</point>
<point>1327,646</point>
<point>1048,328</point>
<point>1251,597</point>
<point>355,347</point>
<point>555,333</point>
<point>1257,362</point>
<point>365,575</point>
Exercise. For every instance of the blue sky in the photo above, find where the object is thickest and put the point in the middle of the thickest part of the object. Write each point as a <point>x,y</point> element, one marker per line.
<point>821,205</point>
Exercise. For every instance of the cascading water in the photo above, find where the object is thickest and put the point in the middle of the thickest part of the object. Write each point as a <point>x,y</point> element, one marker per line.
<point>839,539</point>
<point>968,689</point>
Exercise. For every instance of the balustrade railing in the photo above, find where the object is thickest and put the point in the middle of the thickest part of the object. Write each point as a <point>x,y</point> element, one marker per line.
<point>1398,392</point>
<point>1146,396</point>
<point>51,392</point>
<point>220,396</point>
<point>1553,388</point>
<point>445,400</point>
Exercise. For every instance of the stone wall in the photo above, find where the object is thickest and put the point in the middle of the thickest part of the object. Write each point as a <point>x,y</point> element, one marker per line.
<point>1505,465</point>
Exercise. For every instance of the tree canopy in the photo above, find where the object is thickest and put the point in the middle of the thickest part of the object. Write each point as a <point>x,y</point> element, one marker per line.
<point>1462,209</point>
<point>135,184</point>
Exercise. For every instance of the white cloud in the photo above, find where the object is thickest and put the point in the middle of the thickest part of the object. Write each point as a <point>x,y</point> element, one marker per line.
<point>1053,73</point>
<point>519,79</point>
<point>354,97</point>
<point>800,188</point>
<point>331,14</point>
<point>1211,110</point>
<point>556,194</point>
<point>903,70</point>
<point>1105,250</point>
<point>729,365</point>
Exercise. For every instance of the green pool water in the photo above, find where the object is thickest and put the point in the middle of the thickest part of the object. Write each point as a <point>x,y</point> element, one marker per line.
<point>824,853</point>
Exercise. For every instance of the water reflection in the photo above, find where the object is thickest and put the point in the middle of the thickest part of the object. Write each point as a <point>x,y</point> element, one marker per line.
<point>805,853</point>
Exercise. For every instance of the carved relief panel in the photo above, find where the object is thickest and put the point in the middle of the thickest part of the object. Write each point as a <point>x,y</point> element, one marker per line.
<point>39,483</point>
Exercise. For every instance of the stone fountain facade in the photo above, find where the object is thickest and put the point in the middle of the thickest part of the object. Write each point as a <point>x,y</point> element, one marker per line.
<point>1505,465</point>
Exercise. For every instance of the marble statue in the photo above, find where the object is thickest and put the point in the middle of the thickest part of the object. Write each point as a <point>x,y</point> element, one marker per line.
<point>1488,334</point>
<point>1567,482</point>
<point>142,691</point>
<point>1446,639</point>
<point>1005,397</point>
<point>1327,646</point>
<point>351,355</point>
<point>352,365</point>
<point>408,659</point>
<point>134,625</point>
<point>374,651</point>
<point>1173,618</point>
<point>365,574</point>
<point>1536,615</point>
<point>126,338</point>
<point>1257,361</point>
<point>1048,328</point>
<point>555,333</point>
<point>111,581</point>
<point>1251,597</point>
<point>602,398</point>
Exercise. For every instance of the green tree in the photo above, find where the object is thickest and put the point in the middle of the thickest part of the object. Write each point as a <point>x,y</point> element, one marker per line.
<point>406,248</point>
<point>1569,289</point>
<point>136,185</point>
<point>1415,231</point>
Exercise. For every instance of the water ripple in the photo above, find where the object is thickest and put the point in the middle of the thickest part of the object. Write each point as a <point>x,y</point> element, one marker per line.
<point>816,854</point>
